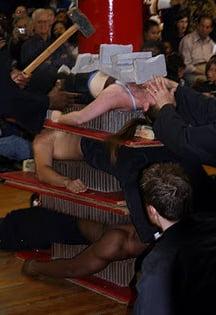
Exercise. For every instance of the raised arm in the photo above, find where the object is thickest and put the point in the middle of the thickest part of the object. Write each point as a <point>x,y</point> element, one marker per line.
<point>186,130</point>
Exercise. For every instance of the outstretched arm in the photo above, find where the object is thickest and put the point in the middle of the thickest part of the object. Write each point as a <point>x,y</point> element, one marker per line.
<point>43,154</point>
<point>115,244</point>
<point>188,129</point>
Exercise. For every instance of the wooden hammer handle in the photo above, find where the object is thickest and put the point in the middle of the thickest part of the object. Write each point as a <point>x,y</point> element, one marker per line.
<point>48,52</point>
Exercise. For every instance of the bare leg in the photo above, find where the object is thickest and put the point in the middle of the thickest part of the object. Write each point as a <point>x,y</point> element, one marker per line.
<point>115,244</point>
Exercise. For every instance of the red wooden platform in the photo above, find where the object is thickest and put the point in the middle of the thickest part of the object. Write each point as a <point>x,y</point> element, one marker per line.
<point>110,201</point>
<point>101,135</point>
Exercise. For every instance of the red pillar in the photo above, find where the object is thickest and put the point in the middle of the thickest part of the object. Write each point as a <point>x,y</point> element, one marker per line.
<point>115,21</point>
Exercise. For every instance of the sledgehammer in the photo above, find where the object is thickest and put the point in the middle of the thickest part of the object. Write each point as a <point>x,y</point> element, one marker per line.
<point>81,23</point>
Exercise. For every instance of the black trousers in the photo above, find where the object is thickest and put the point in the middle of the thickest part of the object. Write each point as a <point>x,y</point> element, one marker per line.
<point>38,227</point>
<point>130,162</point>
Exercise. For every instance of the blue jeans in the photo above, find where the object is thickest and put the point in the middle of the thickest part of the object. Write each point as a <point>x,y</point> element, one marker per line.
<point>15,148</point>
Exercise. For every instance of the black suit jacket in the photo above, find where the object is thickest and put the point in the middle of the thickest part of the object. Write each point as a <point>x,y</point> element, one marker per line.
<point>189,130</point>
<point>29,110</point>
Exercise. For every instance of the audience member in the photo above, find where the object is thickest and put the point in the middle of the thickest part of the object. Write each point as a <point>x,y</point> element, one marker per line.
<point>51,15</point>
<point>44,76</point>
<point>180,29</point>
<point>197,48</point>
<point>20,12</point>
<point>151,30</point>
<point>209,87</point>
<point>22,30</point>
<point>175,68</point>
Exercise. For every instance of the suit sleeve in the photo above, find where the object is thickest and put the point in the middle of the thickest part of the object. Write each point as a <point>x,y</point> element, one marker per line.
<point>190,129</point>
<point>29,110</point>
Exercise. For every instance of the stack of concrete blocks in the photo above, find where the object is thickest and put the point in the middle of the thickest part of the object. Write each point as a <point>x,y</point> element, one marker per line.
<point>120,62</point>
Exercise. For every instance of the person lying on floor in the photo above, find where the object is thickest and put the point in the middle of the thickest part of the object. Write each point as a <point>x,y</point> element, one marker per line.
<point>179,270</point>
<point>112,242</point>
<point>19,231</point>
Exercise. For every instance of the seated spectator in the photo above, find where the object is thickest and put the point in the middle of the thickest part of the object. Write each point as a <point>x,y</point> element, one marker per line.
<point>22,30</point>
<point>67,52</point>
<point>197,48</point>
<point>156,47</point>
<point>168,49</point>
<point>44,76</point>
<point>151,30</point>
<point>209,87</point>
<point>61,16</point>
<point>20,12</point>
<point>15,142</point>
<point>51,15</point>
<point>180,29</point>
<point>175,68</point>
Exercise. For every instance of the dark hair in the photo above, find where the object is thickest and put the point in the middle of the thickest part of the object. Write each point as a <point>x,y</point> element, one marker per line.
<point>174,63</point>
<point>203,17</point>
<point>181,14</point>
<point>148,24</point>
<point>167,188</point>
<point>127,132</point>
<point>212,61</point>
<point>156,47</point>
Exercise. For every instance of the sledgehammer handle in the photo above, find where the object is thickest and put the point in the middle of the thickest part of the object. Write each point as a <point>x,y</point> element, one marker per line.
<point>50,50</point>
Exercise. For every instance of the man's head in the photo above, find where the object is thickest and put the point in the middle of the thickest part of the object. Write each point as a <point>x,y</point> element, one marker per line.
<point>41,23</point>
<point>166,191</point>
<point>204,26</point>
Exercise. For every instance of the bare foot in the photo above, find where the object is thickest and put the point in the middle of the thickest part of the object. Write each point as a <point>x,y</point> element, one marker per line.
<point>55,115</point>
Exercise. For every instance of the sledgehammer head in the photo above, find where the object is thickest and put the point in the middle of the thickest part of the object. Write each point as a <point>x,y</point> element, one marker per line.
<point>84,25</point>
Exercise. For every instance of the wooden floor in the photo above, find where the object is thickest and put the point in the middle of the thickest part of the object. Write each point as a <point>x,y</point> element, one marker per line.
<point>21,295</point>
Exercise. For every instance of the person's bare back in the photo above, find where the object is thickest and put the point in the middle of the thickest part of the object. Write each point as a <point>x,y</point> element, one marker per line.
<point>53,144</point>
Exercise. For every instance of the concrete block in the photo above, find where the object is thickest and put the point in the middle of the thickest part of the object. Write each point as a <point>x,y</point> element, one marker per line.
<point>145,69</point>
<point>86,63</point>
<point>106,51</point>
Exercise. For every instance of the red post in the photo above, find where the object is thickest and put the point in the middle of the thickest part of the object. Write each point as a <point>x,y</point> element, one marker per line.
<point>115,21</point>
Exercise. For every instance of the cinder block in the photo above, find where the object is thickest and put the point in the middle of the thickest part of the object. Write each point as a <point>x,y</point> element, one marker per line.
<point>106,51</point>
<point>86,63</point>
<point>145,69</point>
